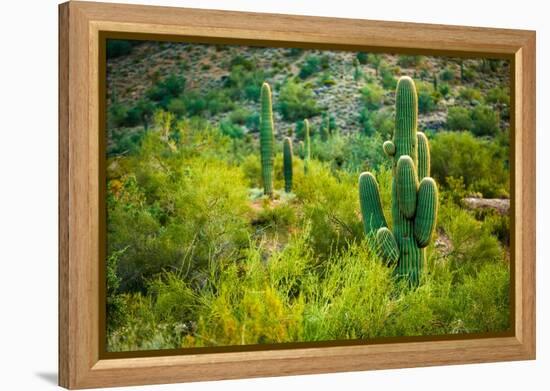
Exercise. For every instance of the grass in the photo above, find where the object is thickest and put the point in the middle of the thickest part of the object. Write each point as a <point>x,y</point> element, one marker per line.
<point>288,298</point>
<point>296,268</point>
<point>198,256</point>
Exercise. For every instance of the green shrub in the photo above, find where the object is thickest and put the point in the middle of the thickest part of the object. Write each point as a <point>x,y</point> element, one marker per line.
<point>485,121</point>
<point>362,57</point>
<point>310,66</point>
<point>179,107</point>
<point>389,82</point>
<point>375,60</point>
<point>116,115</point>
<point>372,95</point>
<point>231,129</point>
<point>166,89</point>
<point>174,300</point>
<point>278,219</point>
<point>252,170</point>
<point>427,100</point>
<point>470,94</point>
<point>498,95</point>
<point>244,82</point>
<point>253,122</point>
<point>296,101</point>
<point>326,79</point>
<point>194,103</point>
<point>325,62</point>
<point>472,241</point>
<point>381,122</point>
<point>240,115</point>
<point>447,74</point>
<point>330,204</point>
<point>218,101</point>
<point>124,141</point>
<point>459,118</point>
<point>444,89</point>
<point>115,302</point>
<point>156,210</point>
<point>241,61</point>
<point>407,61</point>
<point>481,163</point>
<point>117,48</point>
<point>469,74</point>
<point>486,304</point>
<point>294,52</point>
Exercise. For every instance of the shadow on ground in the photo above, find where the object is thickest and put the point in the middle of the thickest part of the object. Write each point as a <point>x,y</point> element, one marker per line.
<point>49,377</point>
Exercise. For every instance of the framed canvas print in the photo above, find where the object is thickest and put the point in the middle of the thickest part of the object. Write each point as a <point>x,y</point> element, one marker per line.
<point>247,195</point>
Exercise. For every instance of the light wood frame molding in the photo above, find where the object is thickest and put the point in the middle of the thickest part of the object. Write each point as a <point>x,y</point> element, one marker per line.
<point>80,24</point>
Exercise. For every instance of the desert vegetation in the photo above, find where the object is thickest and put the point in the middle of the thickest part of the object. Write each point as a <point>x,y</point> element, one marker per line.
<point>256,195</point>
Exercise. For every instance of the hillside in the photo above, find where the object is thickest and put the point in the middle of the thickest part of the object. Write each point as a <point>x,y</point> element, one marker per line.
<point>337,80</point>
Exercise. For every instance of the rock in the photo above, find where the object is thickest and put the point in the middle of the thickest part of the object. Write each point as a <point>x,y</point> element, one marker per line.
<point>500,205</point>
<point>443,243</point>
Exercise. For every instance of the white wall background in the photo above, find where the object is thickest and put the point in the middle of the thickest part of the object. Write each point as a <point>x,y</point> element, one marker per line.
<point>28,194</point>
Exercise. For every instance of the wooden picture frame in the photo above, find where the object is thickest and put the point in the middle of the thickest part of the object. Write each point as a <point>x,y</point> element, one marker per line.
<point>81,363</point>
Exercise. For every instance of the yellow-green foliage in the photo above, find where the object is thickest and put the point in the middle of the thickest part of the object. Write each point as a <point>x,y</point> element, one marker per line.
<point>286,297</point>
<point>172,211</point>
<point>197,256</point>
<point>201,264</point>
<point>329,203</point>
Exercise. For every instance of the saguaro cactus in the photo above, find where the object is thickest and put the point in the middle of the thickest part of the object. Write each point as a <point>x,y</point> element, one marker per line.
<point>287,163</point>
<point>414,193</point>
<point>266,139</point>
<point>324,129</point>
<point>307,146</point>
<point>301,150</point>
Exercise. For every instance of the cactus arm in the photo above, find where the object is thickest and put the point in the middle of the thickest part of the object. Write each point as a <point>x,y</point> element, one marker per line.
<point>389,148</point>
<point>287,163</point>
<point>371,206</point>
<point>423,156</point>
<point>307,146</point>
<point>406,186</point>
<point>387,246</point>
<point>426,212</point>
<point>406,117</point>
<point>266,139</point>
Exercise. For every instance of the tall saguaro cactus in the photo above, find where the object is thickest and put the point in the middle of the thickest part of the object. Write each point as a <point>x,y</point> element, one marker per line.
<point>266,139</point>
<point>307,146</point>
<point>287,163</point>
<point>301,150</point>
<point>324,129</point>
<point>414,192</point>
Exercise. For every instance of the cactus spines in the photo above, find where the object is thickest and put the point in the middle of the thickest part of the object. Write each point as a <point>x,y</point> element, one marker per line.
<point>406,119</point>
<point>423,156</point>
<point>414,193</point>
<point>406,185</point>
<point>307,146</point>
<point>287,163</point>
<point>387,246</point>
<point>371,206</point>
<point>389,148</point>
<point>426,212</point>
<point>266,139</point>
<point>301,150</point>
